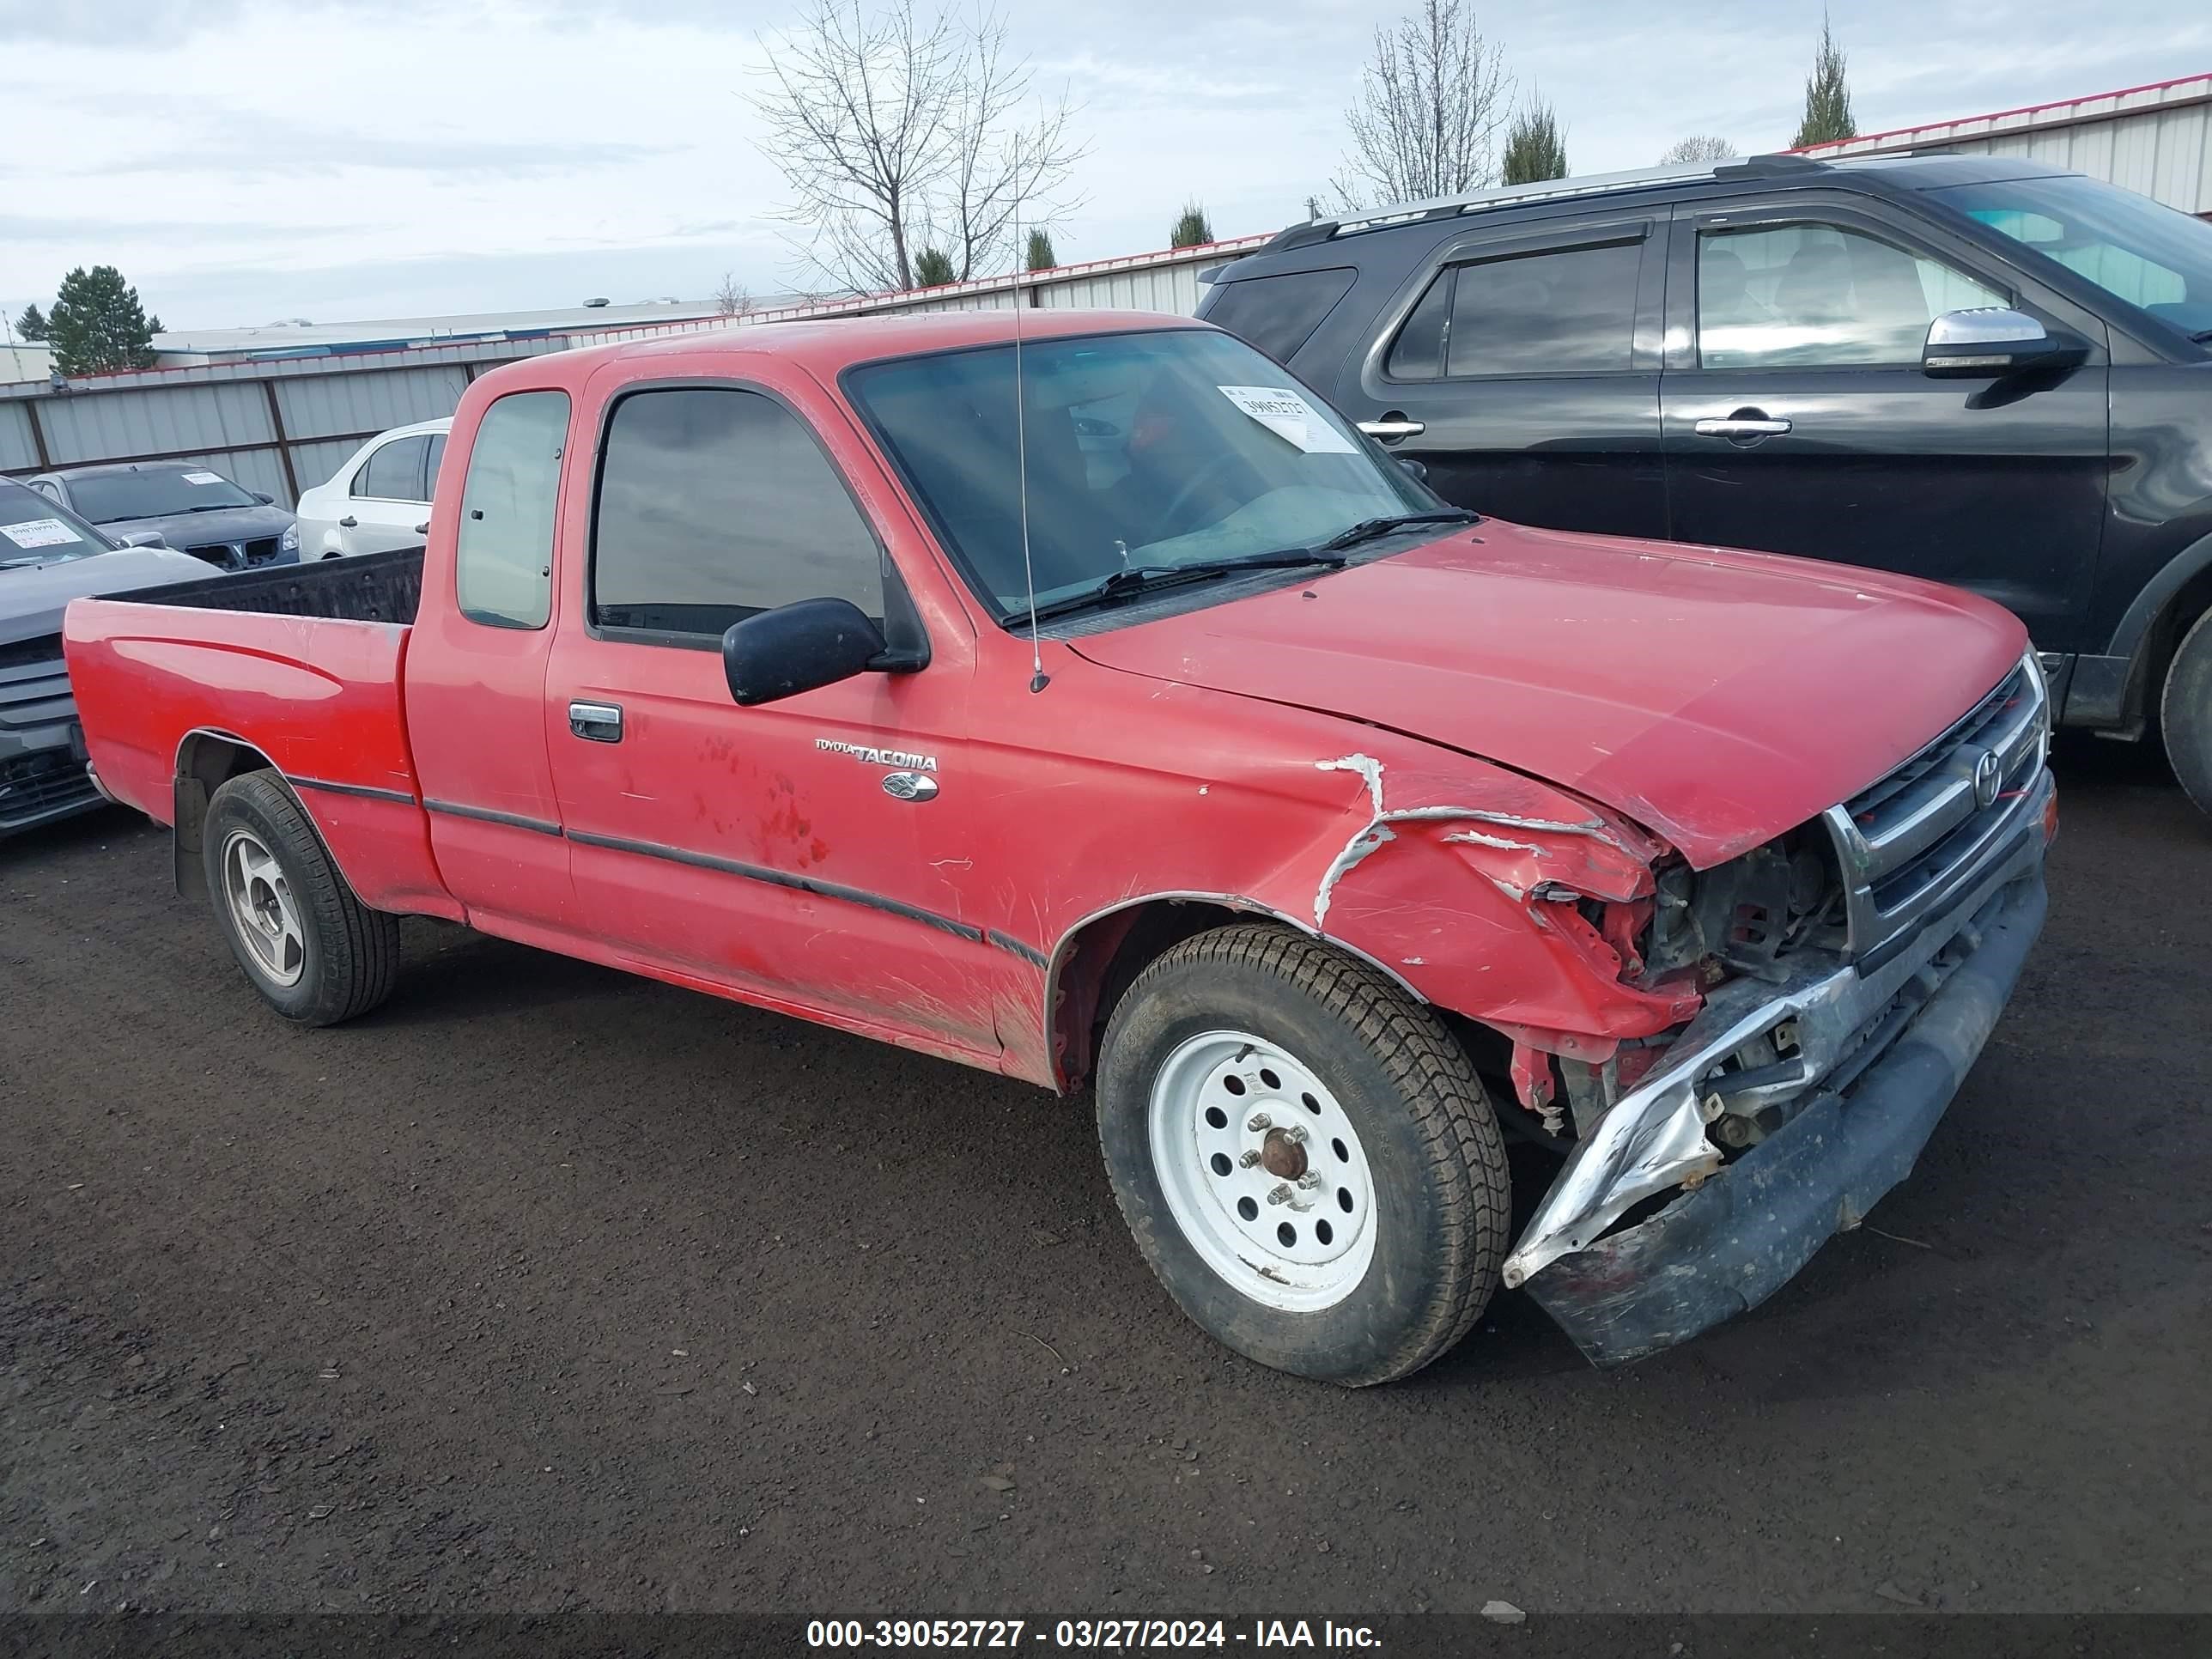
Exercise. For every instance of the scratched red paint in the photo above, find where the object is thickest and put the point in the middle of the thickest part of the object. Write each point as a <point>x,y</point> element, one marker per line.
<point>1395,755</point>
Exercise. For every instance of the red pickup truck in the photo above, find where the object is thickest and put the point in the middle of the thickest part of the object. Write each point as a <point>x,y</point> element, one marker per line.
<point>1165,737</point>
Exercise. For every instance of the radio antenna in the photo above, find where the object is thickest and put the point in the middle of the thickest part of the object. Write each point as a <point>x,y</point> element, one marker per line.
<point>1038,678</point>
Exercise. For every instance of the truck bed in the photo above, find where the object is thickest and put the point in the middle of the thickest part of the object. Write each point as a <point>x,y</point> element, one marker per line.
<point>299,668</point>
<point>374,587</point>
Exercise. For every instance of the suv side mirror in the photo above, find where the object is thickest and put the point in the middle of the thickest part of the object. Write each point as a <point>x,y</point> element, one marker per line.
<point>1993,340</point>
<point>798,648</point>
<point>143,538</point>
<point>265,498</point>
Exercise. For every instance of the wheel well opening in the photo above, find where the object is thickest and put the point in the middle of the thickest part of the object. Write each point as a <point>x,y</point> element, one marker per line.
<point>1105,957</point>
<point>2190,602</point>
<point>205,762</point>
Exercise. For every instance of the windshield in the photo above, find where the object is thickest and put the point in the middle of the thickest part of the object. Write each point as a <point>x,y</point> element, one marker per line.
<point>35,530</point>
<point>2156,259</point>
<point>154,493</point>
<point>1144,449</point>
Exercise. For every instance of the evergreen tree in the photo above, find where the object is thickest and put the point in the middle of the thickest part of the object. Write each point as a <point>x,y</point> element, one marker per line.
<point>932,267</point>
<point>97,325</point>
<point>31,325</point>
<point>1192,229</point>
<point>1535,148</point>
<point>1827,99</point>
<point>1040,256</point>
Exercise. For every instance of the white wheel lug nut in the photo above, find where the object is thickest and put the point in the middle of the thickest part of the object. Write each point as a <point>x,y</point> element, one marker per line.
<point>1249,1160</point>
<point>1259,1121</point>
<point>1281,1194</point>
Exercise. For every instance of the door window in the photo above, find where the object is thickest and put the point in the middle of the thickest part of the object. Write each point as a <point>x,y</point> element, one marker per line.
<point>1564,311</point>
<point>1279,314</point>
<point>432,459</point>
<point>393,473</point>
<point>1814,295</point>
<point>714,505</point>
<point>504,561</point>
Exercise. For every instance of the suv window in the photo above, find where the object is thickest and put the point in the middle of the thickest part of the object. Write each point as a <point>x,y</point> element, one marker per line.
<point>1819,295</point>
<point>1279,314</point>
<point>503,564</point>
<point>393,473</point>
<point>2136,251</point>
<point>716,504</point>
<point>1564,311</point>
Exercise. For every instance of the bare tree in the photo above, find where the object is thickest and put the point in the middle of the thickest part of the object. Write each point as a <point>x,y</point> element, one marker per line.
<point>896,130</point>
<point>1699,146</point>
<point>732,299</point>
<point>1432,101</point>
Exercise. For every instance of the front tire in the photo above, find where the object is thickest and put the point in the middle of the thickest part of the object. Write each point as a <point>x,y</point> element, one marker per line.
<point>316,953</point>
<point>2185,713</point>
<point>1304,1155</point>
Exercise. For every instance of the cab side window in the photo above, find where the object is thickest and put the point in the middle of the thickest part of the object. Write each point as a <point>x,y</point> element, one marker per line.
<point>503,563</point>
<point>1819,295</point>
<point>1560,311</point>
<point>716,504</point>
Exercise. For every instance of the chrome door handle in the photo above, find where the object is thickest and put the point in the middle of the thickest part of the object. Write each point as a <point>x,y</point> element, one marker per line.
<point>596,722</point>
<point>1735,426</point>
<point>1398,428</point>
<point>348,522</point>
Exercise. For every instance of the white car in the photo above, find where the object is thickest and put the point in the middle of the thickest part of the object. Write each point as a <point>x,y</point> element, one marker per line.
<point>379,499</point>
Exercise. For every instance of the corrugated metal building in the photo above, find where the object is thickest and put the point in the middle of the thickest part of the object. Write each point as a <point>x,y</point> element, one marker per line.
<point>2156,140</point>
<point>283,425</point>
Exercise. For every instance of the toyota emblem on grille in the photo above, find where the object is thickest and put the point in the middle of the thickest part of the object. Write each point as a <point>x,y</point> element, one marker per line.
<point>1988,778</point>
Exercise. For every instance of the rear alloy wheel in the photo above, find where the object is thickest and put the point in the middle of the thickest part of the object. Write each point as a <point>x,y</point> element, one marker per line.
<point>2185,713</point>
<point>316,953</point>
<point>1303,1154</point>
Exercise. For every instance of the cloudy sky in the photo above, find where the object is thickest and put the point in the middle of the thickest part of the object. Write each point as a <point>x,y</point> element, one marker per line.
<point>345,159</point>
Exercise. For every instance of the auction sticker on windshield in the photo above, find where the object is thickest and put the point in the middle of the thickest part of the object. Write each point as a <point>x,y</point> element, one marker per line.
<point>203,477</point>
<point>39,532</point>
<point>1287,415</point>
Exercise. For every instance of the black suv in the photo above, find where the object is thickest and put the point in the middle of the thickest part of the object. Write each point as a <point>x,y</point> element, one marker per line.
<point>1981,371</point>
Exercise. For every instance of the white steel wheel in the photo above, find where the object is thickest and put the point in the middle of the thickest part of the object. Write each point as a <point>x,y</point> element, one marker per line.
<point>263,914</point>
<point>1303,1154</point>
<point>1262,1171</point>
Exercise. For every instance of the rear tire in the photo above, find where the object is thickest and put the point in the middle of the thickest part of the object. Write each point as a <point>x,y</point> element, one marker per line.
<point>316,953</point>
<point>2185,713</point>
<point>1304,1155</point>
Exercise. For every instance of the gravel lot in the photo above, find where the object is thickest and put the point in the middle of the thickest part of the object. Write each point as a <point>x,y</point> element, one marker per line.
<point>547,1288</point>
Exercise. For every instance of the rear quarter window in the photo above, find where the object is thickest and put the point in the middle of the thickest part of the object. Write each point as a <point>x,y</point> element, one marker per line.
<point>1279,314</point>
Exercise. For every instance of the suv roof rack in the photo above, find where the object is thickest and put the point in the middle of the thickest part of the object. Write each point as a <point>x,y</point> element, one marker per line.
<point>1447,207</point>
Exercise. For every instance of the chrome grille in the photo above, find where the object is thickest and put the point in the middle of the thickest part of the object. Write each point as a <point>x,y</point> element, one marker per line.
<point>33,684</point>
<point>1914,837</point>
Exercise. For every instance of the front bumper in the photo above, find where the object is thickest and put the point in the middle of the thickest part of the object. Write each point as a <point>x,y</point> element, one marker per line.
<point>1886,1052</point>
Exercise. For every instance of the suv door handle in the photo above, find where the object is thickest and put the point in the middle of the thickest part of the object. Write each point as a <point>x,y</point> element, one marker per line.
<point>596,722</point>
<point>348,522</point>
<point>1393,425</point>
<point>1744,423</point>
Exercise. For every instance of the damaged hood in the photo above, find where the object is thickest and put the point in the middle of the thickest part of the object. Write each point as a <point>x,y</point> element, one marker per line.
<point>1717,698</point>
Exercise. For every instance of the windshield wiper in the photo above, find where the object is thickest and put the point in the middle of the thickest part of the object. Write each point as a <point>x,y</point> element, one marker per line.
<point>1146,578</point>
<point>1368,530</point>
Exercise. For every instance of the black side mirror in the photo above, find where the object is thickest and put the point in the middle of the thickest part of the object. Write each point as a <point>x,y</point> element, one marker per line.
<point>1419,469</point>
<point>797,647</point>
<point>265,498</point>
<point>1988,340</point>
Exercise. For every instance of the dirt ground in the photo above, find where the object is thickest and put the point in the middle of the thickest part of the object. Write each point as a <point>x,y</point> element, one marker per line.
<point>547,1288</point>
